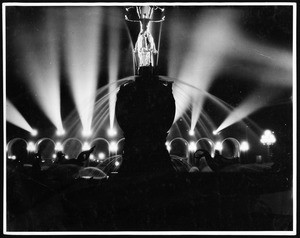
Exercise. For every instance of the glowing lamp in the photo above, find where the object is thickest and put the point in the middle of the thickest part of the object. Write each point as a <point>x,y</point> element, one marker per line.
<point>191,132</point>
<point>85,146</point>
<point>101,155</point>
<point>60,132</point>
<point>113,146</point>
<point>67,157</point>
<point>86,133</point>
<point>244,146</point>
<point>34,132</point>
<point>54,156</point>
<point>218,146</point>
<point>192,146</point>
<point>117,163</point>
<point>13,157</point>
<point>31,147</point>
<point>58,146</point>
<point>268,138</point>
<point>215,132</point>
<point>112,132</point>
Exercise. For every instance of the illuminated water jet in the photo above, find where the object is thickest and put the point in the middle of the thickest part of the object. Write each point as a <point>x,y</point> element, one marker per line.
<point>113,60</point>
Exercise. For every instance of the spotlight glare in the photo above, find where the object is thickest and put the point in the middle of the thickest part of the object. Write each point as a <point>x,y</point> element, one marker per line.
<point>13,157</point>
<point>58,146</point>
<point>244,146</point>
<point>101,155</point>
<point>218,146</point>
<point>86,133</point>
<point>15,117</point>
<point>117,163</point>
<point>86,66</point>
<point>54,156</point>
<point>34,132</point>
<point>191,132</point>
<point>86,146</point>
<point>31,147</point>
<point>268,138</point>
<point>67,157</point>
<point>215,132</point>
<point>192,146</point>
<point>112,132</point>
<point>113,146</point>
<point>60,132</point>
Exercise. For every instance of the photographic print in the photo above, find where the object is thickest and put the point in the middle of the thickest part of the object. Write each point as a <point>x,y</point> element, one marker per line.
<point>149,118</point>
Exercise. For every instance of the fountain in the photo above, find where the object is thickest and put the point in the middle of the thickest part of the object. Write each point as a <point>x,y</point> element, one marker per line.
<point>145,111</point>
<point>146,125</point>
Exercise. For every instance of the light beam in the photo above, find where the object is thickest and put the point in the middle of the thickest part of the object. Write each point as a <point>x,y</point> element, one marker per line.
<point>83,28</point>
<point>39,63</point>
<point>14,117</point>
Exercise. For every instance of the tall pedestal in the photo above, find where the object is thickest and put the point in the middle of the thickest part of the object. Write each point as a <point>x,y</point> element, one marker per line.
<point>145,111</point>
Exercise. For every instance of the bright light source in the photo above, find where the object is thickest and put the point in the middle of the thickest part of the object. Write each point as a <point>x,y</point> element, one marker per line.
<point>191,132</point>
<point>83,70</point>
<point>92,157</point>
<point>112,132</point>
<point>192,146</point>
<point>168,146</point>
<point>86,133</point>
<point>113,146</point>
<point>215,132</point>
<point>31,147</point>
<point>15,117</point>
<point>218,146</point>
<point>54,156</point>
<point>267,132</point>
<point>34,132</point>
<point>117,163</point>
<point>101,155</point>
<point>268,138</point>
<point>58,146</point>
<point>244,146</point>
<point>67,157</point>
<point>13,157</point>
<point>86,146</point>
<point>60,132</point>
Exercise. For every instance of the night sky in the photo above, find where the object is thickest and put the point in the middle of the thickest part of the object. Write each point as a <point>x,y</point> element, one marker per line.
<point>266,24</point>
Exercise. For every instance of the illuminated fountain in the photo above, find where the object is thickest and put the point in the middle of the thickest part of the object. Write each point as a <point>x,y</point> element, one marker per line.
<point>197,55</point>
<point>145,110</point>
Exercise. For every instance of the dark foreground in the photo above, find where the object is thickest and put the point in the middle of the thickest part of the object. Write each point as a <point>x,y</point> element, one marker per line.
<point>181,202</point>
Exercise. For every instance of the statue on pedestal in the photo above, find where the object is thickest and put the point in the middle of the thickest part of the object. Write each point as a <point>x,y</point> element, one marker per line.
<point>145,45</point>
<point>145,110</point>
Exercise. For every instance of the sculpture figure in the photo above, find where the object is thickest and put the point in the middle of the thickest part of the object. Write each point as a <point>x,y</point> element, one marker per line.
<point>145,45</point>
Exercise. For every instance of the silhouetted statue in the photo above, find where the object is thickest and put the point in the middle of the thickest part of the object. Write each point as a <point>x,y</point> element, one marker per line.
<point>84,156</point>
<point>145,110</point>
<point>145,46</point>
<point>218,162</point>
<point>80,160</point>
